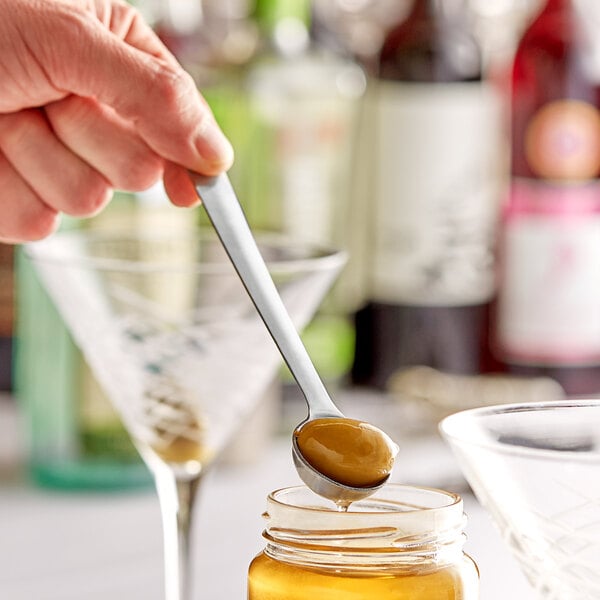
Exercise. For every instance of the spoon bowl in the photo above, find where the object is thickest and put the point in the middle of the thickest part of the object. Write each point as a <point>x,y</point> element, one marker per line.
<point>343,495</point>
<point>344,459</point>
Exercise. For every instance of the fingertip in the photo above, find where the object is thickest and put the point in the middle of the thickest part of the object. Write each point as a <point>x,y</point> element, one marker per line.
<point>44,223</point>
<point>215,150</point>
<point>179,186</point>
<point>89,198</point>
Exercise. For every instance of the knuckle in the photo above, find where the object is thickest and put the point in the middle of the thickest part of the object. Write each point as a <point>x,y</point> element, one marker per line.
<point>174,87</point>
<point>126,16</point>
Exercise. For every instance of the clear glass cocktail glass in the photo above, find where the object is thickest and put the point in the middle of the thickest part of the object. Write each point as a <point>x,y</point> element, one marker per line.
<point>168,329</point>
<point>536,468</point>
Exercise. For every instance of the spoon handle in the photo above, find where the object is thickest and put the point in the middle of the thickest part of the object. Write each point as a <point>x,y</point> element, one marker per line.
<point>230,223</point>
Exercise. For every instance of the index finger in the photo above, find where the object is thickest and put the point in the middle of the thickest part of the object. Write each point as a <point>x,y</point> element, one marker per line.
<point>148,88</point>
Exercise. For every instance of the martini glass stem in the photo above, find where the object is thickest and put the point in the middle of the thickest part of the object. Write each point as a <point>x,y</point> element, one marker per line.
<point>176,497</point>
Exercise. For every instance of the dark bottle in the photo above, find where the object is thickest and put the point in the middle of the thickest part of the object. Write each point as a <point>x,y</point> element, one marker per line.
<point>549,303</point>
<point>436,186</point>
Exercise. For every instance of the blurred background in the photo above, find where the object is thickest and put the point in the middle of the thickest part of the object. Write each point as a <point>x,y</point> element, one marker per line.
<point>382,127</point>
<point>400,156</point>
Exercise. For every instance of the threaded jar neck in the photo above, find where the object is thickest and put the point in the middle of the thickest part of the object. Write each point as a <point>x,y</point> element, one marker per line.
<point>401,526</point>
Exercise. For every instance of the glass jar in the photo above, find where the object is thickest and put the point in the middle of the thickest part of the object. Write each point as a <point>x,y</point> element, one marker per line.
<point>404,542</point>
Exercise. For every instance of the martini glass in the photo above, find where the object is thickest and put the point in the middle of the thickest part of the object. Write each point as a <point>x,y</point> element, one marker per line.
<point>536,468</point>
<point>168,329</point>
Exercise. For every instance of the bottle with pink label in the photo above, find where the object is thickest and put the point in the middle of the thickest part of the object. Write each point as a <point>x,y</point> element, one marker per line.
<point>548,313</point>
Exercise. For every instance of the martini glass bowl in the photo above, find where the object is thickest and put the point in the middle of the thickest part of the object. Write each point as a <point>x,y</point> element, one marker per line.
<point>169,331</point>
<point>536,468</point>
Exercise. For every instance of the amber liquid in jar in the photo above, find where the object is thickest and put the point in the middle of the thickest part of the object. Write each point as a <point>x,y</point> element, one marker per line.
<point>272,580</point>
<point>404,543</point>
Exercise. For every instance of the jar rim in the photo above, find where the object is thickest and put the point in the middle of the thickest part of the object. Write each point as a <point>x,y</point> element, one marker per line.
<point>397,512</point>
<point>452,498</point>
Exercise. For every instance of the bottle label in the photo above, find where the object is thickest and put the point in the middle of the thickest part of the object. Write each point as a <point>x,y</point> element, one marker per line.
<point>562,141</point>
<point>310,121</point>
<point>549,307</point>
<point>437,185</point>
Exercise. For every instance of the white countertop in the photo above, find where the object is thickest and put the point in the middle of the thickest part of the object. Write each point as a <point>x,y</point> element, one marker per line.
<point>95,546</point>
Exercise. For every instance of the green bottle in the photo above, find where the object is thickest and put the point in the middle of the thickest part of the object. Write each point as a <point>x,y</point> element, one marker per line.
<point>74,437</point>
<point>303,106</point>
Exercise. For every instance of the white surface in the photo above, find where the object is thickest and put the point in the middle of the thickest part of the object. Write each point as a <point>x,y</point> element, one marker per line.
<point>67,546</point>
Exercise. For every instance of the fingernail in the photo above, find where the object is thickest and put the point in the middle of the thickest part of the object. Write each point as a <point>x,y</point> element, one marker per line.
<point>214,147</point>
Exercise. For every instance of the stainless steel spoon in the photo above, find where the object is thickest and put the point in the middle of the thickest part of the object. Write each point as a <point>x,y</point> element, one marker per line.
<point>230,223</point>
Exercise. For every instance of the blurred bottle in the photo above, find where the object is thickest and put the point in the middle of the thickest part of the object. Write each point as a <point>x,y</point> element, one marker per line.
<point>549,303</point>
<point>288,110</point>
<point>437,177</point>
<point>357,28</point>
<point>208,37</point>
<point>498,27</point>
<point>214,40</point>
<point>6,315</point>
<point>303,103</point>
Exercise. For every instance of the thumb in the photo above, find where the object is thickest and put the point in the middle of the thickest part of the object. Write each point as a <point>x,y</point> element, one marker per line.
<point>153,93</point>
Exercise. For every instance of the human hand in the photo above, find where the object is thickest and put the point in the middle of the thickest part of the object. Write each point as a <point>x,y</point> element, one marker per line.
<point>91,100</point>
